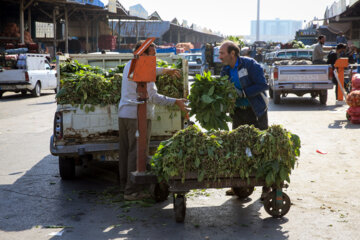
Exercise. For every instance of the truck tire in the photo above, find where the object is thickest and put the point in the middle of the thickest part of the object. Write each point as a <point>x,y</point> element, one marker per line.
<point>271,93</point>
<point>36,92</point>
<point>67,168</point>
<point>323,97</point>
<point>276,96</point>
<point>1,93</point>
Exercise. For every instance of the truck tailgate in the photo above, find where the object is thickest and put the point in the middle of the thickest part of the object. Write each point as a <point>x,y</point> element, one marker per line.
<point>303,74</point>
<point>101,125</point>
<point>12,76</point>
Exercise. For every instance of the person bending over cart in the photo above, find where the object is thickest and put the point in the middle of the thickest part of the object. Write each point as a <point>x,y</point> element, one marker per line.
<point>250,83</point>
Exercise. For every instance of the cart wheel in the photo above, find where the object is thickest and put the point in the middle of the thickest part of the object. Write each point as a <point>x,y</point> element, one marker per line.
<point>243,192</point>
<point>277,208</point>
<point>180,207</point>
<point>159,191</point>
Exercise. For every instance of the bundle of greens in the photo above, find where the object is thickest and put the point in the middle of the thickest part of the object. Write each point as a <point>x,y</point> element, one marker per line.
<point>167,85</point>
<point>212,100</point>
<point>83,84</point>
<point>243,152</point>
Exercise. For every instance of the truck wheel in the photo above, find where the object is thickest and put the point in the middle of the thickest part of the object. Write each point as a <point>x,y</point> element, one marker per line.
<point>276,97</point>
<point>1,93</point>
<point>323,97</point>
<point>67,168</point>
<point>271,93</point>
<point>36,92</point>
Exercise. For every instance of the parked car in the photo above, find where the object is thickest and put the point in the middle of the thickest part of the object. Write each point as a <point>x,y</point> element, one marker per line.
<point>194,61</point>
<point>26,73</point>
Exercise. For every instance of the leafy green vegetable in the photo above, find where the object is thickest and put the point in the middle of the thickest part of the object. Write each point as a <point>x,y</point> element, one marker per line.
<point>84,84</point>
<point>244,152</point>
<point>212,100</point>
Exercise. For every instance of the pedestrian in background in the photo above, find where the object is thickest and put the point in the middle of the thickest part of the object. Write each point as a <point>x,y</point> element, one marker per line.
<point>318,52</point>
<point>332,57</point>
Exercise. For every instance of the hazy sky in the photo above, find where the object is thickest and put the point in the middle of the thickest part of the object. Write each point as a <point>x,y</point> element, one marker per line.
<point>232,17</point>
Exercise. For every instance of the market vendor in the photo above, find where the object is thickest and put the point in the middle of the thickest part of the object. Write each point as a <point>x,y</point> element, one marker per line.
<point>128,123</point>
<point>250,83</point>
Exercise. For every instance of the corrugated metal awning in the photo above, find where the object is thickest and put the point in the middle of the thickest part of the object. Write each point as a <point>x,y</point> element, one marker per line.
<point>142,29</point>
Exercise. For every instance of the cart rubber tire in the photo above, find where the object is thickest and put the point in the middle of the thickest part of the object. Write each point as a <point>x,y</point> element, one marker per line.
<point>275,210</point>
<point>180,208</point>
<point>23,92</point>
<point>36,92</point>
<point>243,192</point>
<point>271,93</point>
<point>67,168</point>
<point>159,191</point>
<point>276,96</point>
<point>323,97</point>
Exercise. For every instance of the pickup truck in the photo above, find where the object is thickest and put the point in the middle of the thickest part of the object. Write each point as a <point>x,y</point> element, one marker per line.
<point>290,77</point>
<point>80,136</point>
<point>24,73</point>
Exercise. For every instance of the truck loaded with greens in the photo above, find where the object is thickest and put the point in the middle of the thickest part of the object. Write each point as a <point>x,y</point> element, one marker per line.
<point>86,119</point>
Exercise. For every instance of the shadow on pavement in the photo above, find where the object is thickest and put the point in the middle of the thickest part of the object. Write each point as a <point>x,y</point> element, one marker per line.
<point>19,96</point>
<point>92,208</point>
<point>339,124</point>
<point>300,104</point>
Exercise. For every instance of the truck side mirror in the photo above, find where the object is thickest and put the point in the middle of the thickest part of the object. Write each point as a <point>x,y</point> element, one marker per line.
<point>53,67</point>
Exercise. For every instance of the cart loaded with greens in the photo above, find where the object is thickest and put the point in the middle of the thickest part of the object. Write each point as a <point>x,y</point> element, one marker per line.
<point>214,157</point>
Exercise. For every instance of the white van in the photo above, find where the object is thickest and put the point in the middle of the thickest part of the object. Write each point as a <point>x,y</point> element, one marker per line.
<point>26,73</point>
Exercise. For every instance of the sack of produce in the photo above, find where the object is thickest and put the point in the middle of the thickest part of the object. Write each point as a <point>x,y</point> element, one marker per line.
<point>355,82</point>
<point>353,99</point>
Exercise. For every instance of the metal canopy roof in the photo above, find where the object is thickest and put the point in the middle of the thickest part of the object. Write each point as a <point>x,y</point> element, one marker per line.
<point>142,29</point>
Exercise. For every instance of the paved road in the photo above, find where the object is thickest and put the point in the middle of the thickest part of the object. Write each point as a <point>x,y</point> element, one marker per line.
<point>35,203</point>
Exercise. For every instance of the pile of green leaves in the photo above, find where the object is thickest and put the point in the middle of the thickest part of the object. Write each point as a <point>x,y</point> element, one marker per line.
<point>212,100</point>
<point>167,85</point>
<point>244,152</point>
<point>83,84</point>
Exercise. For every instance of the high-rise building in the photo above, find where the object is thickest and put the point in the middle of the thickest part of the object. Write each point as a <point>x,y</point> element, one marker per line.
<point>276,30</point>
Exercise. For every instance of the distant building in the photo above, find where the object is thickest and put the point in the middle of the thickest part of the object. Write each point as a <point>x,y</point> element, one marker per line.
<point>276,30</point>
<point>139,11</point>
